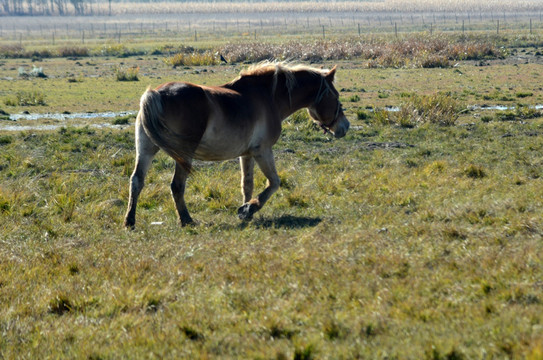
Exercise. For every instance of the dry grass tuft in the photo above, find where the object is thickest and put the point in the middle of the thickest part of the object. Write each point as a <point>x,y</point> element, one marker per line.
<point>441,109</point>
<point>193,59</point>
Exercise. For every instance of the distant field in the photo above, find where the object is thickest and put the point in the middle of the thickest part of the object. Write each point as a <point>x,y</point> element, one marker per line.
<point>417,236</point>
<point>203,22</point>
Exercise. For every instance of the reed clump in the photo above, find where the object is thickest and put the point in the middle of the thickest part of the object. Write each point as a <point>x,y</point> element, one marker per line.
<point>440,109</point>
<point>26,98</point>
<point>412,51</point>
<point>130,74</point>
<point>205,58</point>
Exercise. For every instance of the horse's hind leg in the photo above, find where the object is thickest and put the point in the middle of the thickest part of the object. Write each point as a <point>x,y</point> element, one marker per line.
<point>267,164</point>
<point>145,151</point>
<point>178,194</point>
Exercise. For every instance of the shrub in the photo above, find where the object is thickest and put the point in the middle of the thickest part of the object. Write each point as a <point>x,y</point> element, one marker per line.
<point>11,51</point>
<point>522,112</point>
<point>4,115</point>
<point>130,74</point>
<point>382,117</point>
<point>474,172</point>
<point>73,51</point>
<point>435,61</point>
<point>361,114</point>
<point>193,59</point>
<point>523,94</point>
<point>122,120</point>
<point>26,98</point>
<point>383,95</point>
<point>5,139</point>
<point>354,98</point>
<point>486,118</point>
<point>118,50</point>
<point>60,305</point>
<point>440,109</point>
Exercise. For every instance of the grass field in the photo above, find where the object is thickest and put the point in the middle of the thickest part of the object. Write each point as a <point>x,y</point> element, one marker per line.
<point>404,240</point>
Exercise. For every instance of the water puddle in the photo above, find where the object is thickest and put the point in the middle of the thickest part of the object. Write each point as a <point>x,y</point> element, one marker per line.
<point>64,118</point>
<point>470,107</point>
<point>70,116</point>
<point>57,126</point>
<point>501,107</point>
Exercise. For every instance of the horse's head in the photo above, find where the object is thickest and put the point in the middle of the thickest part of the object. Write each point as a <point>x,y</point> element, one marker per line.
<point>326,110</point>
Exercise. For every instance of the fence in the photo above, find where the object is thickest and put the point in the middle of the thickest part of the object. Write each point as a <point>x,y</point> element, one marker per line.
<point>189,28</point>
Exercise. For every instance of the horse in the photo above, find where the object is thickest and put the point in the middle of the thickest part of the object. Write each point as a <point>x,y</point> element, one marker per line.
<point>239,119</point>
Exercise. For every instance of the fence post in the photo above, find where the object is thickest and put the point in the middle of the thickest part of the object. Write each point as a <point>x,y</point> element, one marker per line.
<point>498,27</point>
<point>323,33</point>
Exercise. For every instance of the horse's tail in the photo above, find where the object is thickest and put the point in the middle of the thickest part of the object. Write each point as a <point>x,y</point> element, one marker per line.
<point>151,115</point>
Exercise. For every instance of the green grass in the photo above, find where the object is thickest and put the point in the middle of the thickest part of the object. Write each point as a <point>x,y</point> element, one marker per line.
<point>405,239</point>
<point>439,241</point>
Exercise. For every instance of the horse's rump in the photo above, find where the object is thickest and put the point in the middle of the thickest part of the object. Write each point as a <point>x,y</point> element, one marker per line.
<point>163,114</point>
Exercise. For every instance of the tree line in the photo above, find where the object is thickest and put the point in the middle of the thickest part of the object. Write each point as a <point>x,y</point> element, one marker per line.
<point>46,7</point>
<point>102,7</point>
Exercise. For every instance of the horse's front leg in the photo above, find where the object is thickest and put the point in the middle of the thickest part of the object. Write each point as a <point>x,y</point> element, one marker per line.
<point>178,193</point>
<point>247,177</point>
<point>267,164</point>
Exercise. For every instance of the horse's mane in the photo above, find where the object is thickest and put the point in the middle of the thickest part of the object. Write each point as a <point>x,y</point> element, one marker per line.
<point>277,68</point>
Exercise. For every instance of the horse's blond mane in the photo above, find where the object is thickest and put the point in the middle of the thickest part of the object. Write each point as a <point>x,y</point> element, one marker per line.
<point>277,68</point>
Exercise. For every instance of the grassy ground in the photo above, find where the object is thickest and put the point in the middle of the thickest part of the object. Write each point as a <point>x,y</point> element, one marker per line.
<point>393,242</point>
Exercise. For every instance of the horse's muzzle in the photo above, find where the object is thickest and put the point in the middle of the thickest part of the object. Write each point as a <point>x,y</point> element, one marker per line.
<point>341,128</point>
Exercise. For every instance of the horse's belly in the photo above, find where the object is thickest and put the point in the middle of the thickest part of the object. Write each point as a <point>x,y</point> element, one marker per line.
<point>221,146</point>
<point>217,151</point>
<point>224,142</point>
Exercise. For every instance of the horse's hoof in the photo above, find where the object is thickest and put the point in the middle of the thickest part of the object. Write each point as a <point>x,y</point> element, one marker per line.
<point>129,225</point>
<point>246,211</point>
<point>188,223</point>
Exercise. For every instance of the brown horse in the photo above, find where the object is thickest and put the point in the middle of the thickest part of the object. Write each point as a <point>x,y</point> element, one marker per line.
<point>239,119</point>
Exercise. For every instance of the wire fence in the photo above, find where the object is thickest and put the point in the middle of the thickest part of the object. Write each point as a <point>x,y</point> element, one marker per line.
<point>189,28</point>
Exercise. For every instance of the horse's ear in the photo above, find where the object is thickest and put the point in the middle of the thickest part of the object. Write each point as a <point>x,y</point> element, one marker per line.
<point>331,74</point>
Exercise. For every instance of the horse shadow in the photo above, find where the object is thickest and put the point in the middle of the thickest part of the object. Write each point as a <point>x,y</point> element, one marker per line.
<point>284,222</point>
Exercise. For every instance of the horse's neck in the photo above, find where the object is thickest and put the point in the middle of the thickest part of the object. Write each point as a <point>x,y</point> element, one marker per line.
<point>302,94</point>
